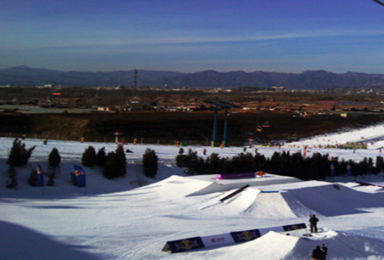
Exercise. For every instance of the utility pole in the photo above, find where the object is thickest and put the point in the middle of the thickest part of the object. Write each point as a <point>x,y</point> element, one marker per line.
<point>134,82</point>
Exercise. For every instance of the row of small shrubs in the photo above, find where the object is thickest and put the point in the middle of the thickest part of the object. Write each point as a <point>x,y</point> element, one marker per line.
<point>295,165</point>
<point>113,164</point>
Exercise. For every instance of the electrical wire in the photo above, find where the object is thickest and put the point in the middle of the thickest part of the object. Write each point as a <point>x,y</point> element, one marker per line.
<point>380,3</point>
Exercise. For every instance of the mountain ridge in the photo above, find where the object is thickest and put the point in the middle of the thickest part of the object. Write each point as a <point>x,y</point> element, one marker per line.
<point>310,79</point>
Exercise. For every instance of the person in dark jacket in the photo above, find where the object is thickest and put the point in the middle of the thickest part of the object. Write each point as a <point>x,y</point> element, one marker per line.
<point>317,253</point>
<point>313,222</point>
<point>324,251</point>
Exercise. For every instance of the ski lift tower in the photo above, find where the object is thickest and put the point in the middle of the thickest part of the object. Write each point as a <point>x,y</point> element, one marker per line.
<point>226,105</point>
<point>216,103</point>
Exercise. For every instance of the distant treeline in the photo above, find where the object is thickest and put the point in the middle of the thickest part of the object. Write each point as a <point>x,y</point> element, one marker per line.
<point>318,166</point>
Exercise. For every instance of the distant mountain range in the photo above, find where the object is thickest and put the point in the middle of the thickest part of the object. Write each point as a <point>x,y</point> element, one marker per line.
<point>320,79</point>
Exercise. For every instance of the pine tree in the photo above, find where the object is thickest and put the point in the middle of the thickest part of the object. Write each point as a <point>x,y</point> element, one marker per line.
<point>150,163</point>
<point>213,162</point>
<point>111,169</point>
<point>12,183</point>
<point>73,179</point>
<point>89,157</point>
<point>54,158</point>
<point>191,160</point>
<point>32,180</point>
<point>181,158</point>
<point>121,160</point>
<point>101,157</point>
<point>379,164</point>
<point>19,155</point>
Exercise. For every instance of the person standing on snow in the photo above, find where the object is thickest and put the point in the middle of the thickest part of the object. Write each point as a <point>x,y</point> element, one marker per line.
<point>324,251</point>
<point>317,254</point>
<point>313,223</point>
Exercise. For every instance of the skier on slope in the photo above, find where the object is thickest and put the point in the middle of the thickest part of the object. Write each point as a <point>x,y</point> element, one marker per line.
<point>313,223</point>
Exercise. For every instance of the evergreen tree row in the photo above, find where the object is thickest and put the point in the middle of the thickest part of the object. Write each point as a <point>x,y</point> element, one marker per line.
<point>113,164</point>
<point>19,156</point>
<point>294,165</point>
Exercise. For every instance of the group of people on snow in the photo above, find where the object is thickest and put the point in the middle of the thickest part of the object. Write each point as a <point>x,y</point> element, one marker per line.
<point>320,252</point>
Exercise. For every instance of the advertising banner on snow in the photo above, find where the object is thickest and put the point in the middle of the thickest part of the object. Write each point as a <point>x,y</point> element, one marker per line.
<point>217,240</point>
<point>183,245</point>
<point>224,239</point>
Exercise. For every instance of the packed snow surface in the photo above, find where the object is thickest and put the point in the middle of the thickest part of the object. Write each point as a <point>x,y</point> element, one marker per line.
<point>133,217</point>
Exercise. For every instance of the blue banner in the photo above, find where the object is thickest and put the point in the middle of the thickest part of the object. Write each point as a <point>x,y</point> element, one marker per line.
<point>349,169</point>
<point>294,227</point>
<point>187,244</point>
<point>80,176</point>
<point>248,235</point>
<point>183,245</point>
<point>40,177</point>
<point>332,170</point>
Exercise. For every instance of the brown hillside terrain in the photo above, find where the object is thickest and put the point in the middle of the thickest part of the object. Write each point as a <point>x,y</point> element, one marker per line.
<point>167,127</point>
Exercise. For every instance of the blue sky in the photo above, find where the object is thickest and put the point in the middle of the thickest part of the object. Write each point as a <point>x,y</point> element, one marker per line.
<point>195,35</point>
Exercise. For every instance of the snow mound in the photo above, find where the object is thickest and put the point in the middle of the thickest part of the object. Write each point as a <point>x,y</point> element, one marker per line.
<point>270,205</point>
<point>334,199</point>
<point>178,186</point>
<point>341,245</point>
<point>271,244</point>
<point>229,184</point>
<point>234,205</point>
<point>289,246</point>
<point>325,200</point>
<point>277,205</point>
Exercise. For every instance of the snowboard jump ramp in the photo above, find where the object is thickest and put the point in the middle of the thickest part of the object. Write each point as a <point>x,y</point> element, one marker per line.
<point>229,184</point>
<point>220,240</point>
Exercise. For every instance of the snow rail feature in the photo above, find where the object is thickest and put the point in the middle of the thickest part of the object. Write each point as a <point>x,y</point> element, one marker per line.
<point>234,193</point>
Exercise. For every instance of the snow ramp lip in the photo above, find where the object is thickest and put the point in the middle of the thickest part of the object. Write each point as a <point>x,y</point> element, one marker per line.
<point>293,245</point>
<point>334,200</point>
<point>227,185</point>
<point>234,205</point>
<point>268,205</point>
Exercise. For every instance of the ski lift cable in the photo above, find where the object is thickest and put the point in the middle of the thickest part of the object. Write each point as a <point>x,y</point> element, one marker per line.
<point>379,2</point>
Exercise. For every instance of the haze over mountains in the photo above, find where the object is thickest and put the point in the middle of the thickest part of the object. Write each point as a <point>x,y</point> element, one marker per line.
<point>320,79</point>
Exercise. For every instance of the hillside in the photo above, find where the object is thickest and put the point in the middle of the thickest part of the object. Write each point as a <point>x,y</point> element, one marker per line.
<point>167,128</point>
<point>133,217</point>
<point>24,76</point>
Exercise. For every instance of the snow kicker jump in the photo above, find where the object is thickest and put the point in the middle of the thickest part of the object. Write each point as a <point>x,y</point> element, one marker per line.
<point>367,184</point>
<point>193,243</point>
